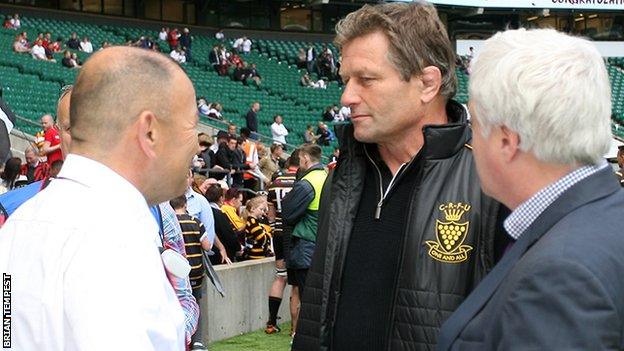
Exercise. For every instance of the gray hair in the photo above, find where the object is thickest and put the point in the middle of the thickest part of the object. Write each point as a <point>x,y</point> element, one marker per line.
<point>550,88</point>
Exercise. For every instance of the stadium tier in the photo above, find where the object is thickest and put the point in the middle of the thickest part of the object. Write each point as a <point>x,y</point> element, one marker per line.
<point>31,87</point>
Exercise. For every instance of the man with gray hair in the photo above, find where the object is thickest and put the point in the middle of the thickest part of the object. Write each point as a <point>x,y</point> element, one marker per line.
<point>541,107</point>
<point>75,261</point>
<point>404,231</point>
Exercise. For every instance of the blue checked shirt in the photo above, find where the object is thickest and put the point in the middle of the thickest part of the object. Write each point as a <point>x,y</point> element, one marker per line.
<point>522,217</point>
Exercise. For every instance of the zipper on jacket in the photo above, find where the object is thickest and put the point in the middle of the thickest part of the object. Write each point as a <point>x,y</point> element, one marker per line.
<point>382,194</point>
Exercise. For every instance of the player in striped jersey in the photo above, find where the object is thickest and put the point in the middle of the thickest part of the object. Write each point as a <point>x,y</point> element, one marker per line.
<point>281,185</point>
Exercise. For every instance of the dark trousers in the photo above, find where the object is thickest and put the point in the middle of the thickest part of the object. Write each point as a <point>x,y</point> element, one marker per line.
<point>198,336</point>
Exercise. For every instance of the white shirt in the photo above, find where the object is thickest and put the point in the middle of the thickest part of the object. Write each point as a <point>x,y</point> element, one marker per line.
<point>86,46</point>
<point>178,57</point>
<point>15,23</point>
<point>343,114</point>
<point>85,272</point>
<point>162,36</point>
<point>247,45</point>
<point>238,42</point>
<point>38,52</point>
<point>279,132</point>
<point>214,112</point>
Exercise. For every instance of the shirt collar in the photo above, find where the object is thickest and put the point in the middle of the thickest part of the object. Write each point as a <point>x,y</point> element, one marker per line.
<point>94,174</point>
<point>525,214</point>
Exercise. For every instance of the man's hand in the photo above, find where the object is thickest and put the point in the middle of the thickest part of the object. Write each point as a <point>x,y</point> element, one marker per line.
<point>224,257</point>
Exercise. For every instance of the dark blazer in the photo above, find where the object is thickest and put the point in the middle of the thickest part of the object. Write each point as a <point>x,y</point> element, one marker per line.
<point>560,286</point>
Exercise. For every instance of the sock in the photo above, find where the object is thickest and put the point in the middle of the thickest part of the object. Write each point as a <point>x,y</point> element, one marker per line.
<point>274,305</point>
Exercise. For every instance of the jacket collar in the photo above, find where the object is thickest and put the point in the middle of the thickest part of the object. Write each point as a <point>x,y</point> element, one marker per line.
<point>313,168</point>
<point>592,188</point>
<point>441,141</point>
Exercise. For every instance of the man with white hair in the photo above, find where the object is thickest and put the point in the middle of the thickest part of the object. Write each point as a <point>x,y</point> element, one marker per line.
<point>541,110</point>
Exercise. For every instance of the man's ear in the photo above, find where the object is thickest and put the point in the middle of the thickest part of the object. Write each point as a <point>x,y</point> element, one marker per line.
<point>147,133</point>
<point>431,79</point>
<point>509,143</point>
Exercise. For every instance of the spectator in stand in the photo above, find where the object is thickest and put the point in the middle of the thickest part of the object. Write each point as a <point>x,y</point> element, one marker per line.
<point>10,174</point>
<point>197,206</point>
<point>49,52</point>
<point>219,35</point>
<point>186,42</point>
<point>75,60</point>
<point>163,34</point>
<point>272,162</point>
<point>306,81</point>
<point>214,111</point>
<point>233,200</point>
<point>20,44</point>
<point>213,58</point>
<point>279,130</point>
<point>344,114</point>
<point>47,39</point>
<point>230,159</point>
<point>246,46</point>
<point>73,42</point>
<point>253,74</point>
<point>15,22</point>
<point>309,137</point>
<point>85,45</point>
<point>178,55</point>
<point>38,51</point>
<point>67,60</point>
<point>224,59</point>
<point>173,39</point>
<point>105,45</point>
<point>311,59</point>
<point>144,43</point>
<point>232,129</point>
<point>7,23</point>
<point>250,155</point>
<point>221,138</point>
<point>251,119</point>
<point>235,60</point>
<point>237,46</point>
<point>34,169</point>
<point>241,73</point>
<point>328,115</point>
<point>257,237</point>
<point>52,141</point>
<point>325,135</point>
<point>202,106</point>
<point>301,58</point>
<point>205,153</point>
<point>57,45</point>
<point>223,228</point>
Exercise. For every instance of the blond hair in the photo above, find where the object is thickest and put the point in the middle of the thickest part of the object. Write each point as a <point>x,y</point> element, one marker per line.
<point>416,38</point>
<point>251,205</point>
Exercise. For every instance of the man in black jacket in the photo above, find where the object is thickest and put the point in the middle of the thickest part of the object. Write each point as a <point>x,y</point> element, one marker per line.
<point>228,157</point>
<point>251,119</point>
<point>404,230</point>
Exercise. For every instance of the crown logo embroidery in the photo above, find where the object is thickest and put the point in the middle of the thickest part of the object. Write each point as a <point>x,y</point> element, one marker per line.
<point>451,234</point>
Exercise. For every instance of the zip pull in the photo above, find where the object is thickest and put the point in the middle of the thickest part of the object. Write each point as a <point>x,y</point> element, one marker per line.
<point>378,210</point>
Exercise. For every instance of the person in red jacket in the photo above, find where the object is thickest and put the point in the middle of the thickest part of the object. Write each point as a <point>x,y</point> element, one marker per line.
<point>52,140</point>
